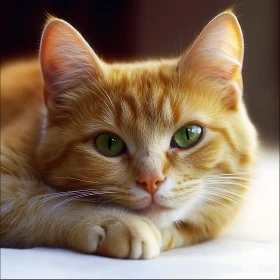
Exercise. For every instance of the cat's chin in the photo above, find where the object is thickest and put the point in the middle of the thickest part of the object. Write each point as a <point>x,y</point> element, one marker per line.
<point>161,216</point>
<point>155,208</point>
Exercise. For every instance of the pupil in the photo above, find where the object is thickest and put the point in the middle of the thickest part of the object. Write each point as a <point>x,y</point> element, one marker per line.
<point>110,142</point>
<point>187,134</point>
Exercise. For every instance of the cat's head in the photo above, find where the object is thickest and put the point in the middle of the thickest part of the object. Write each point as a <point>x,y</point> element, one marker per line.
<point>154,137</point>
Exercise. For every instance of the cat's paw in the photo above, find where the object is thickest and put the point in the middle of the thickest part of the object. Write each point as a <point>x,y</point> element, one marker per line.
<point>133,238</point>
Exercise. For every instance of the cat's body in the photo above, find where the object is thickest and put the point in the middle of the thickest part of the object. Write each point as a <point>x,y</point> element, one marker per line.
<point>151,195</point>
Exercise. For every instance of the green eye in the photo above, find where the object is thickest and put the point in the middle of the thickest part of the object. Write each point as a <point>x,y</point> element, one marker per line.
<point>109,145</point>
<point>187,136</point>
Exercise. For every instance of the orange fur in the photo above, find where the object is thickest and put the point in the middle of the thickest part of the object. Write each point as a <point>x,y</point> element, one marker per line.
<point>52,109</point>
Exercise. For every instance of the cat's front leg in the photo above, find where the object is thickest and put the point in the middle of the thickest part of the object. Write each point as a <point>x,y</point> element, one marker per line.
<point>30,217</point>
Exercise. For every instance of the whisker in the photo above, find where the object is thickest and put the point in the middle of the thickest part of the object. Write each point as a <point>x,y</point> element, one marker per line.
<point>72,178</point>
<point>97,95</point>
<point>77,197</point>
<point>220,203</point>
<point>108,200</point>
<point>227,197</point>
<point>63,202</point>
<point>230,174</point>
<point>105,95</point>
<point>228,177</point>
<point>97,190</point>
<point>69,193</point>
<point>227,183</point>
<point>9,171</point>
<point>224,191</point>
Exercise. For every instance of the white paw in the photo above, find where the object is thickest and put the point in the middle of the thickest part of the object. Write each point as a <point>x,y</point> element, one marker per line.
<point>130,237</point>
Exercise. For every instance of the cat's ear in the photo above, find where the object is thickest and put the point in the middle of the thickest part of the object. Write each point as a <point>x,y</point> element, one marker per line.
<point>217,53</point>
<point>66,60</point>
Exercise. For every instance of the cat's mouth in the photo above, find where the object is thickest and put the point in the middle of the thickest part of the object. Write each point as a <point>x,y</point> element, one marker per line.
<point>154,208</point>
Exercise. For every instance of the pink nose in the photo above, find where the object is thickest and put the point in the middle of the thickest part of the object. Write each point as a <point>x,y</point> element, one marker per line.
<point>150,181</point>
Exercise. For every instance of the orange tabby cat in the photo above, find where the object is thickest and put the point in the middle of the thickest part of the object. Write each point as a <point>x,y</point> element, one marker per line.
<point>126,159</point>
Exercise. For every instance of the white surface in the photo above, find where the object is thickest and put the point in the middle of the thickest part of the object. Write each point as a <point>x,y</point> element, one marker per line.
<point>250,249</point>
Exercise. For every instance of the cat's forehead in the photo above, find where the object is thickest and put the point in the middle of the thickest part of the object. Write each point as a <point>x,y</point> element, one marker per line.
<point>141,76</point>
<point>145,91</point>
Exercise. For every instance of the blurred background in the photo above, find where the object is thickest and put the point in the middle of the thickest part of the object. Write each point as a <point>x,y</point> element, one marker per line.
<point>138,29</point>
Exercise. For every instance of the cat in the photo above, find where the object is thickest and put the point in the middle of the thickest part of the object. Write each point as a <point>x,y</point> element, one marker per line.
<point>125,159</point>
